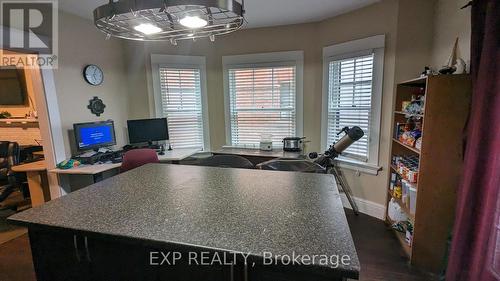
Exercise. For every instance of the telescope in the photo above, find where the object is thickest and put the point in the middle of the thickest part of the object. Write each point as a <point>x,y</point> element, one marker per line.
<point>323,163</point>
<point>351,135</point>
<point>326,160</point>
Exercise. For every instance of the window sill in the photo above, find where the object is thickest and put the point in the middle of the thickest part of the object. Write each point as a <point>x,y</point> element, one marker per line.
<point>358,166</point>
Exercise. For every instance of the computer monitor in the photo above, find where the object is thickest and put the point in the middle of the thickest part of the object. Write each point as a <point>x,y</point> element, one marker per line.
<point>147,130</point>
<point>94,135</point>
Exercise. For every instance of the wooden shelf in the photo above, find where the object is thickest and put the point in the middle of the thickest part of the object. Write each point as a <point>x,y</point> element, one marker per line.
<point>18,120</point>
<point>406,146</point>
<point>402,239</point>
<point>414,184</point>
<point>405,113</point>
<point>440,163</point>
<point>403,207</point>
<point>417,82</point>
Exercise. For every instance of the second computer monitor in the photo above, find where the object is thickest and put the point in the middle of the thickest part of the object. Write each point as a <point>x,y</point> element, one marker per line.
<point>147,130</point>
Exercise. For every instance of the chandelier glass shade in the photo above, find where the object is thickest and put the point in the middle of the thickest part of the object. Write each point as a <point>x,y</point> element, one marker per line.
<point>174,20</point>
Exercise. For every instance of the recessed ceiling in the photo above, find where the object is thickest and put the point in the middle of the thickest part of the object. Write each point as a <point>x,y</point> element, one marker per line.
<point>259,13</point>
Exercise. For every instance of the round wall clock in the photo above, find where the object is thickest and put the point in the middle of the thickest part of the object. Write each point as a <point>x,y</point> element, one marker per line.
<point>93,74</point>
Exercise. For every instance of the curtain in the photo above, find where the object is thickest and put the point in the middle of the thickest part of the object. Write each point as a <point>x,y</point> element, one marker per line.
<point>475,250</point>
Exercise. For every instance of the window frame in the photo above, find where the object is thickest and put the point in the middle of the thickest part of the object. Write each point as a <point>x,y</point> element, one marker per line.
<point>178,61</point>
<point>274,59</point>
<point>375,44</point>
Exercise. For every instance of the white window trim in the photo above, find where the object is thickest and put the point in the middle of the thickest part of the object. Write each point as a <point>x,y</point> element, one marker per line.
<point>158,61</point>
<point>290,58</point>
<point>345,50</point>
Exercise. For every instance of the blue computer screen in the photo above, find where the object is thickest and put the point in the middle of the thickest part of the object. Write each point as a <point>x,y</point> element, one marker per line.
<point>97,135</point>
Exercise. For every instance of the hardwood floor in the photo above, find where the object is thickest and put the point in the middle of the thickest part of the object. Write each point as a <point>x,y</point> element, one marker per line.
<point>15,260</point>
<point>379,251</point>
<point>380,254</point>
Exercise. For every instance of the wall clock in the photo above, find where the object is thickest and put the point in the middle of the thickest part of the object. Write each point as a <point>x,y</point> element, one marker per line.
<point>93,74</point>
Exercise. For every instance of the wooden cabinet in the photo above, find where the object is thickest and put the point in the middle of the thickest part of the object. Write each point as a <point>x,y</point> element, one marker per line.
<point>79,257</point>
<point>55,256</point>
<point>447,102</point>
<point>116,259</point>
<point>66,255</point>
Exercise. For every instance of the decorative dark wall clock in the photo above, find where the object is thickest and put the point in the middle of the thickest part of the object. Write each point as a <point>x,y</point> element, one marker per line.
<point>96,106</point>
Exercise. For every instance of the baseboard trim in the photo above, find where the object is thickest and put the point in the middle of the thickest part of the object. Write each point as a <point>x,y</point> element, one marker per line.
<point>366,207</point>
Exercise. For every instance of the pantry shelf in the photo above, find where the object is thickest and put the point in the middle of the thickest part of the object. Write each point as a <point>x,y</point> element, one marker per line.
<point>402,240</point>
<point>403,206</point>
<point>439,163</point>
<point>397,172</point>
<point>406,113</point>
<point>406,146</point>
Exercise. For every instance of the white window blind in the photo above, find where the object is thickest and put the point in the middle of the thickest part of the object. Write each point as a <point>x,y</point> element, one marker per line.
<point>350,101</point>
<point>262,102</point>
<point>181,104</point>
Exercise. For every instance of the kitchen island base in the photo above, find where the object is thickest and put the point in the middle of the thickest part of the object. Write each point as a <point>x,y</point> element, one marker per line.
<point>59,254</point>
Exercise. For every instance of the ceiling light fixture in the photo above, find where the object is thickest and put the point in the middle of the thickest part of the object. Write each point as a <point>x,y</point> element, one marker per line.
<point>169,20</point>
<point>147,28</point>
<point>193,22</point>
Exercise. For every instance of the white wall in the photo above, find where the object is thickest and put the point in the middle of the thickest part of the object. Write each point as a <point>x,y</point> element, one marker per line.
<point>80,43</point>
<point>451,22</point>
<point>383,17</point>
<point>418,33</point>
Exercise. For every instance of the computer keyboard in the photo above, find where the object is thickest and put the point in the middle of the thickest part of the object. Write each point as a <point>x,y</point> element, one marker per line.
<point>112,156</point>
<point>117,160</point>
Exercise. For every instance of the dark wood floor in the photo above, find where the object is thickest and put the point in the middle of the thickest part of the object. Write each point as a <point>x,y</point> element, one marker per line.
<point>379,252</point>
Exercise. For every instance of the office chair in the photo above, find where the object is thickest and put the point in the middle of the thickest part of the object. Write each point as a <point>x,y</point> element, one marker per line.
<point>227,161</point>
<point>138,157</point>
<point>291,165</point>
<point>9,180</point>
<point>26,154</point>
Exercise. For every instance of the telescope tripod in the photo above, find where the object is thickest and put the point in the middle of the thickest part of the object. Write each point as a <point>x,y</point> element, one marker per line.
<point>342,183</point>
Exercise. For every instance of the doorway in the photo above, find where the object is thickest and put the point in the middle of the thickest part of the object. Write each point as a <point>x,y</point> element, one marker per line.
<point>29,130</point>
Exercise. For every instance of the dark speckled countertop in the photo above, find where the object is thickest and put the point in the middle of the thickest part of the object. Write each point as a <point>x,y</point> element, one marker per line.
<point>224,209</point>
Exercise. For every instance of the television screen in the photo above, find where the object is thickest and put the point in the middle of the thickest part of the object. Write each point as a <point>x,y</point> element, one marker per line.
<point>12,86</point>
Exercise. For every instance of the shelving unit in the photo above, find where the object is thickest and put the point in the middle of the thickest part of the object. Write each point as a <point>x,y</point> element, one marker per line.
<point>413,149</point>
<point>18,122</point>
<point>405,113</point>
<point>402,240</point>
<point>447,101</point>
<point>403,206</point>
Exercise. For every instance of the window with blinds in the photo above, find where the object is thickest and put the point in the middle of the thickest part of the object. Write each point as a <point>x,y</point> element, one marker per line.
<point>350,101</point>
<point>181,104</point>
<point>262,102</point>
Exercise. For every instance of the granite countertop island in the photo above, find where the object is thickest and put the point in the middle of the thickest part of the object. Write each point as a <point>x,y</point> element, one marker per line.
<point>200,208</point>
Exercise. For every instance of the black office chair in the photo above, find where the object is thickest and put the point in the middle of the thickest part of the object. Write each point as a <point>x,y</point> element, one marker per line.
<point>291,165</point>
<point>26,154</point>
<point>9,180</point>
<point>226,161</point>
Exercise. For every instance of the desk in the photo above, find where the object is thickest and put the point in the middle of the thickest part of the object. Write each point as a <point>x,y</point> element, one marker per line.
<point>37,181</point>
<point>96,170</point>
